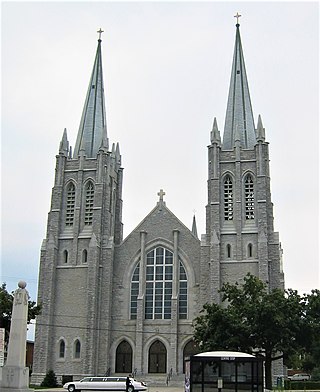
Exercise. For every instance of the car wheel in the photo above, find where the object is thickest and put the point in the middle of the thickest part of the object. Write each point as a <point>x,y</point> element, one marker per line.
<point>71,388</point>
<point>130,388</point>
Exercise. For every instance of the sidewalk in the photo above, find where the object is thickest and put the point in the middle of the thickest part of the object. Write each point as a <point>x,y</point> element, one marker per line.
<point>150,389</point>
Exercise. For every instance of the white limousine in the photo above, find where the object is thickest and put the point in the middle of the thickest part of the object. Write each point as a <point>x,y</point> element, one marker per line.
<point>105,384</point>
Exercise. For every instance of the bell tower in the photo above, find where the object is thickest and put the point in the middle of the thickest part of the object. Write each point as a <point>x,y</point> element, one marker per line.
<point>239,214</point>
<point>84,225</point>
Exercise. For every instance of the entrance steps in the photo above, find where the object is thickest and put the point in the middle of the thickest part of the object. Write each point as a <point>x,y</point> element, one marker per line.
<point>157,380</point>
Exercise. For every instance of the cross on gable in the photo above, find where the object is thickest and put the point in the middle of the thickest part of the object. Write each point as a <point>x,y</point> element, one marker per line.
<point>161,194</point>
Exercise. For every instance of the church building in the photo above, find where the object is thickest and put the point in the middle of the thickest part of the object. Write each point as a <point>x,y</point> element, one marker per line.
<point>114,305</point>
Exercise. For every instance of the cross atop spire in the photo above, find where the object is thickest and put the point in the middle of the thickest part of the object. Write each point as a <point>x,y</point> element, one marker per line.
<point>100,31</point>
<point>237,16</point>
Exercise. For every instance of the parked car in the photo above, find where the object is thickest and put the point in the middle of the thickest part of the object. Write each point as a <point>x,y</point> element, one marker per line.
<point>299,377</point>
<point>105,384</point>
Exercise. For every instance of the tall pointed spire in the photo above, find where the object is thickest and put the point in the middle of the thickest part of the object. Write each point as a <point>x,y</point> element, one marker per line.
<point>239,111</point>
<point>93,127</point>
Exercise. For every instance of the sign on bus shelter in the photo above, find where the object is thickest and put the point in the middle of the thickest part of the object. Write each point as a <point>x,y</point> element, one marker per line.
<point>223,371</point>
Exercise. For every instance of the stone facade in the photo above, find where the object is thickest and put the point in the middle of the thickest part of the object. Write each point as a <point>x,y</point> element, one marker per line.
<point>114,305</point>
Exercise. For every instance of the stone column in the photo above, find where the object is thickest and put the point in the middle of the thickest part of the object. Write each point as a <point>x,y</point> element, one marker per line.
<point>15,374</point>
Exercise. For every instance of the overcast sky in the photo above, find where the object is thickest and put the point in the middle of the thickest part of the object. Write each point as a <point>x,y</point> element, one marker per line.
<point>166,71</point>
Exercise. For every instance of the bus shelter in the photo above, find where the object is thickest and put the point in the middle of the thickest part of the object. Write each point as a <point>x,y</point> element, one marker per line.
<point>223,371</point>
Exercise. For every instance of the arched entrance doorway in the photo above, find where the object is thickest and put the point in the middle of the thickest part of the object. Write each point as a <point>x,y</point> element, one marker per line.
<point>124,358</point>
<point>157,358</point>
<point>191,348</point>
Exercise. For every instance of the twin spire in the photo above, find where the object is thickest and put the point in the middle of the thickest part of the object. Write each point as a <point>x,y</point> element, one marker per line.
<point>92,134</point>
<point>239,122</point>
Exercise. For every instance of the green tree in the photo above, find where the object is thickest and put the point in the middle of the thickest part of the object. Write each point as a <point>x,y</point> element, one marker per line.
<point>253,320</point>
<point>310,335</point>
<point>6,304</point>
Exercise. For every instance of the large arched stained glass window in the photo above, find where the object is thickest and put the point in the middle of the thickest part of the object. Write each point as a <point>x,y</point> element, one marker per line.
<point>159,281</point>
<point>159,273</point>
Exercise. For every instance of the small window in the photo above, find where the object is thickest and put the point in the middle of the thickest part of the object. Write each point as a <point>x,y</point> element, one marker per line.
<point>250,250</point>
<point>77,349</point>
<point>62,349</point>
<point>65,256</point>
<point>84,256</point>
<point>229,251</point>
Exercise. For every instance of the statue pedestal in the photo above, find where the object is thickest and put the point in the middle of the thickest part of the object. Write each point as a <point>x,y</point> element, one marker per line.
<point>15,374</point>
<point>15,379</point>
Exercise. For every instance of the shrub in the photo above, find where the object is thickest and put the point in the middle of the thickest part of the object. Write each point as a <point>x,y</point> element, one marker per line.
<point>315,375</point>
<point>301,385</point>
<point>50,380</point>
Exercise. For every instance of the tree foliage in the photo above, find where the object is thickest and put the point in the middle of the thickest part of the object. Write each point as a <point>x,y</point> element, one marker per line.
<point>252,319</point>
<point>6,304</point>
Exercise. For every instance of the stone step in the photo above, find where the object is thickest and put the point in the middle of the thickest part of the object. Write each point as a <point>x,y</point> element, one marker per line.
<point>160,379</point>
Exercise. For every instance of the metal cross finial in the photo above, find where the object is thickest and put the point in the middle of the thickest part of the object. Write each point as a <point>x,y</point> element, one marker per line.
<point>161,194</point>
<point>100,31</point>
<point>237,16</point>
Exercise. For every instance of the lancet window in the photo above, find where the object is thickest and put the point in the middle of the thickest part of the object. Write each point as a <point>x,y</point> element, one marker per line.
<point>228,198</point>
<point>249,197</point>
<point>250,251</point>
<point>65,256</point>
<point>62,349</point>
<point>77,349</point>
<point>84,255</point>
<point>229,253</point>
<point>88,216</point>
<point>71,200</point>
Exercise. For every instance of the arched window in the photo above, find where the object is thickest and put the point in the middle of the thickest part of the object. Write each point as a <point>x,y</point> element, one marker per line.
<point>84,255</point>
<point>134,292</point>
<point>65,256</point>
<point>159,280</point>
<point>183,293</point>
<point>71,200</point>
<point>228,198</point>
<point>249,197</point>
<point>88,215</point>
<point>77,349</point>
<point>229,251</point>
<point>159,272</point>
<point>250,250</point>
<point>62,349</point>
